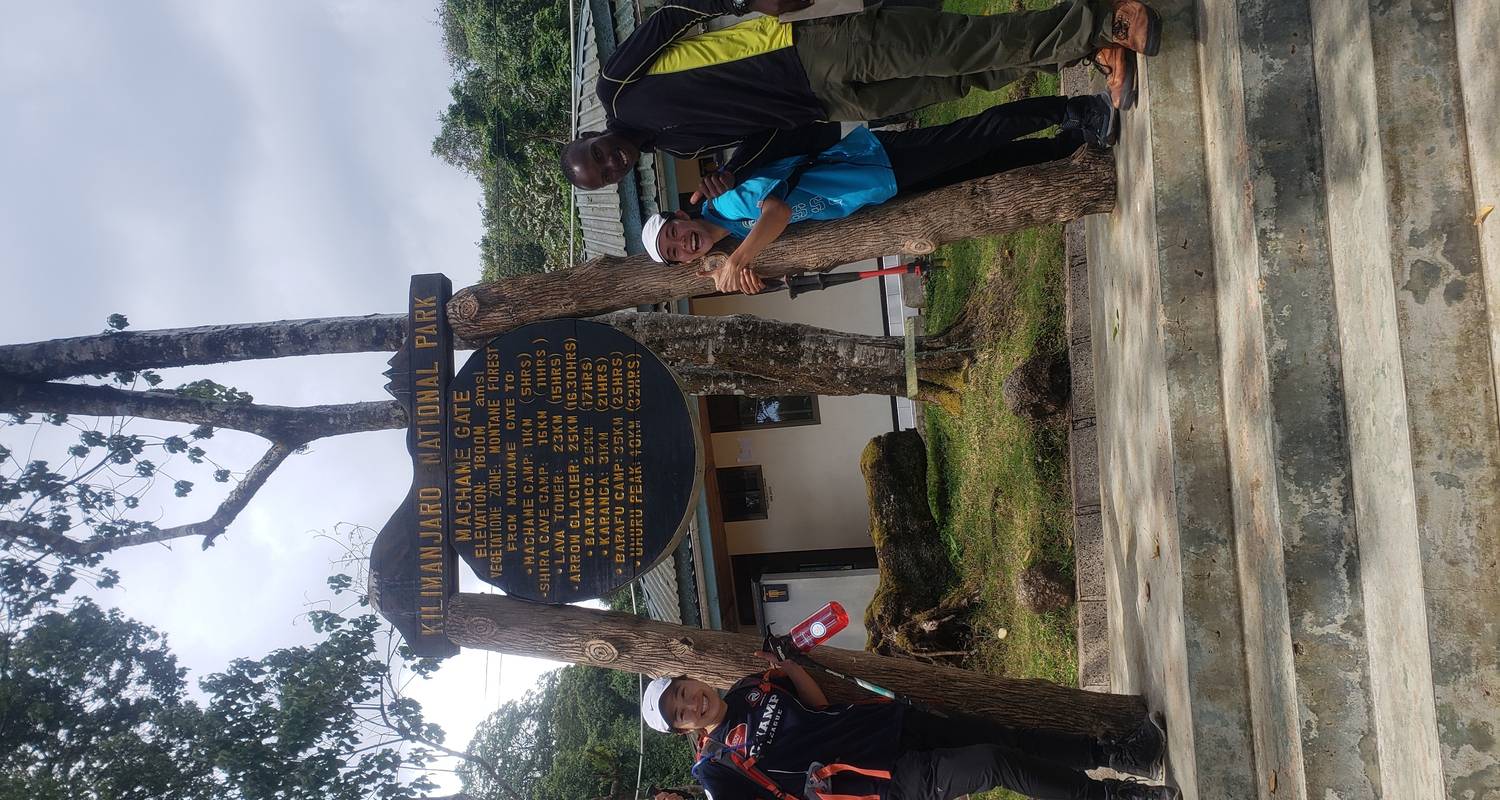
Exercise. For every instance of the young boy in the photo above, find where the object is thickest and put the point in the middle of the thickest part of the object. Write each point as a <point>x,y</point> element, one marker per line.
<point>868,168</point>
<point>775,737</point>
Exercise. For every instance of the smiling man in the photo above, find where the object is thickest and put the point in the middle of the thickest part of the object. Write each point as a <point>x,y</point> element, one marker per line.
<point>761,85</point>
<point>775,736</point>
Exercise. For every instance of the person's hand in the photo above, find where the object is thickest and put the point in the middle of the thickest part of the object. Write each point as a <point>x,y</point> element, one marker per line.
<point>769,658</point>
<point>739,277</point>
<point>713,185</point>
<point>775,8</point>
<point>727,277</point>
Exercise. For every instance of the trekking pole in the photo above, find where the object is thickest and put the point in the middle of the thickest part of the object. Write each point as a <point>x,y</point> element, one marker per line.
<point>812,632</point>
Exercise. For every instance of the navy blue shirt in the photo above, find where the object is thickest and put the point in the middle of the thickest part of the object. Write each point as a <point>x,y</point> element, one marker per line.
<point>785,737</point>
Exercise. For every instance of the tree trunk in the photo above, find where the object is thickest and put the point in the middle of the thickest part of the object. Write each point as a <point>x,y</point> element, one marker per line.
<point>712,355</point>
<point>626,642</point>
<point>816,360</point>
<point>1042,194</point>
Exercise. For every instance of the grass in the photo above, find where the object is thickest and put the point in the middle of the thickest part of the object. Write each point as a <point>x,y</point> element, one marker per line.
<point>999,485</point>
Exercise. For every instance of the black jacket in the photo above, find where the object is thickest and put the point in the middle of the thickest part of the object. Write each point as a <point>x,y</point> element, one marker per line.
<point>684,94</point>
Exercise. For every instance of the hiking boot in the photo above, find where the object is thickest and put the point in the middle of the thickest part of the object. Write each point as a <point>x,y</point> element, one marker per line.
<point>1131,790</point>
<point>1141,752</point>
<point>1135,26</point>
<point>1118,65</point>
<point>1094,117</point>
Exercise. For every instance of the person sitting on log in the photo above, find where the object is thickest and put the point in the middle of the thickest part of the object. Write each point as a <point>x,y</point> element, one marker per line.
<point>760,86</point>
<point>775,736</point>
<point>870,167</point>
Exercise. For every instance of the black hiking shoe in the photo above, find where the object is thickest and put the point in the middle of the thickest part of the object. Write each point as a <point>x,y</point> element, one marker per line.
<point>1095,117</point>
<point>1132,790</point>
<point>1141,752</point>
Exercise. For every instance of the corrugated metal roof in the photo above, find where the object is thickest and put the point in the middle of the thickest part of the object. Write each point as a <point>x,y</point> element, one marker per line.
<point>660,588</point>
<point>610,217</point>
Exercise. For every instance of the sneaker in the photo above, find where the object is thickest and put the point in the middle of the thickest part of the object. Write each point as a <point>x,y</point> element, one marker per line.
<point>1134,790</point>
<point>1135,26</point>
<point>1118,65</point>
<point>1141,752</point>
<point>1095,118</point>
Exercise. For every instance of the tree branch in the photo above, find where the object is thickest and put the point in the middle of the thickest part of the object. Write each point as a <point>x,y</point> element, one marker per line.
<point>45,538</point>
<point>295,425</point>
<point>210,528</point>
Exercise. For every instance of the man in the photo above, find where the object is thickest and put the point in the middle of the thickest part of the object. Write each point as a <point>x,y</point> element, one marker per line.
<point>776,737</point>
<point>760,85</point>
<point>870,167</point>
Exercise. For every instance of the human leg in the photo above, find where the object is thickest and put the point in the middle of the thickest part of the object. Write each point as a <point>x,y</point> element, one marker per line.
<point>884,44</point>
<point>952,772</point>
<point>924,731</point>
<point>983,144</point>
<point>857,101</point>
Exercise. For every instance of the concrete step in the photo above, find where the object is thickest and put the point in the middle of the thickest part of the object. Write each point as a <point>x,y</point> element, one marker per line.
<point>1295,373</point>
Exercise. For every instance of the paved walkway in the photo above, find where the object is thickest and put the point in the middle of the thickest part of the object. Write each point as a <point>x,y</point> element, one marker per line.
<point>1295,387</point>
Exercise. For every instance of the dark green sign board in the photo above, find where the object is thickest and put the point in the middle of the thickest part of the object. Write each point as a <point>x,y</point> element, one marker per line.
<point>575,461</point>
<point>560,463</point>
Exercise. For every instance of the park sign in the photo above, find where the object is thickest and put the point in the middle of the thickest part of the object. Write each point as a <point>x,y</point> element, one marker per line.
<point>560,463</point>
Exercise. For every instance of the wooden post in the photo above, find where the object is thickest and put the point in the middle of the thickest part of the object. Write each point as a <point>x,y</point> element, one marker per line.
<point>625,642</point>
<point>1042,194</point>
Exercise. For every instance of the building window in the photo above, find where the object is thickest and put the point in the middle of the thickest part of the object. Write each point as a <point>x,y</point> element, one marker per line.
<point>742,493</point>
<point>732,412</point>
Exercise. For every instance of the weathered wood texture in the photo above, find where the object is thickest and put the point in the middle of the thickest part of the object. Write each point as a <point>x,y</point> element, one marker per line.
<point>711,355</point>
<point>1043,194</point>
<point>630,643</point>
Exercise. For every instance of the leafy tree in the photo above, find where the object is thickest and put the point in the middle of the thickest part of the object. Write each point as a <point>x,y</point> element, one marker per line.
<point>576,736</point>
<point>93,705</point>
<point>509,112</point>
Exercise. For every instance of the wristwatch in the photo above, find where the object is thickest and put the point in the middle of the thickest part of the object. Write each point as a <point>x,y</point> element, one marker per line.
<point>739,7</point>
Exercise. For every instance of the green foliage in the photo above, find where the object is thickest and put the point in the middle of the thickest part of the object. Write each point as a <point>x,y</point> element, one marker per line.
<point>102,471</point>
<point>508,115</point>
<point>93,705</point>
<point>576,736</point>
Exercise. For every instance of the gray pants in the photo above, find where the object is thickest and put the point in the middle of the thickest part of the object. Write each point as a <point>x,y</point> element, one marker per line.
<point>885,61</point>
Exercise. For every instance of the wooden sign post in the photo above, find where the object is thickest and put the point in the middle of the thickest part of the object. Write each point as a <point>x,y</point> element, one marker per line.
<point>561,462</point>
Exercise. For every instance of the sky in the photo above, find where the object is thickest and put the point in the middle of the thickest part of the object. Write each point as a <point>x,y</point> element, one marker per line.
<point>204,161</point>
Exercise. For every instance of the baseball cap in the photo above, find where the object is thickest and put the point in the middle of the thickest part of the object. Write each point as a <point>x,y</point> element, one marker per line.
<point>651,705</point>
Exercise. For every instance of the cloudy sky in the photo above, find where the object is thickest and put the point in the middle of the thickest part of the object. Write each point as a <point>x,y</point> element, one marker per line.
<point>208,161</point>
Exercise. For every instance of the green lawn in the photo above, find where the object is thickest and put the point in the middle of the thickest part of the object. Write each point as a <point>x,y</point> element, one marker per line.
<point>998,485</point>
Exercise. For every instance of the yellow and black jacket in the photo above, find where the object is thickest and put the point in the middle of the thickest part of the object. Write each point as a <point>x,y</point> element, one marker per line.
<point>686,95</point>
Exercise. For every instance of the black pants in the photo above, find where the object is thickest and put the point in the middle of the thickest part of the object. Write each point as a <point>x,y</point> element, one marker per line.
<point>945,757</point>
<point>984,144</point>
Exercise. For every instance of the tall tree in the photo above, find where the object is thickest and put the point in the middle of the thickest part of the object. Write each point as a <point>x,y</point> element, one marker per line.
<point>509,111</point>
<point>575,736</point>
<point>93,705</point>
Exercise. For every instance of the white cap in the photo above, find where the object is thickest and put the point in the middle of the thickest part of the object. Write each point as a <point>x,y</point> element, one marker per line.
<point>648,236</point>
<point>651,702</point>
